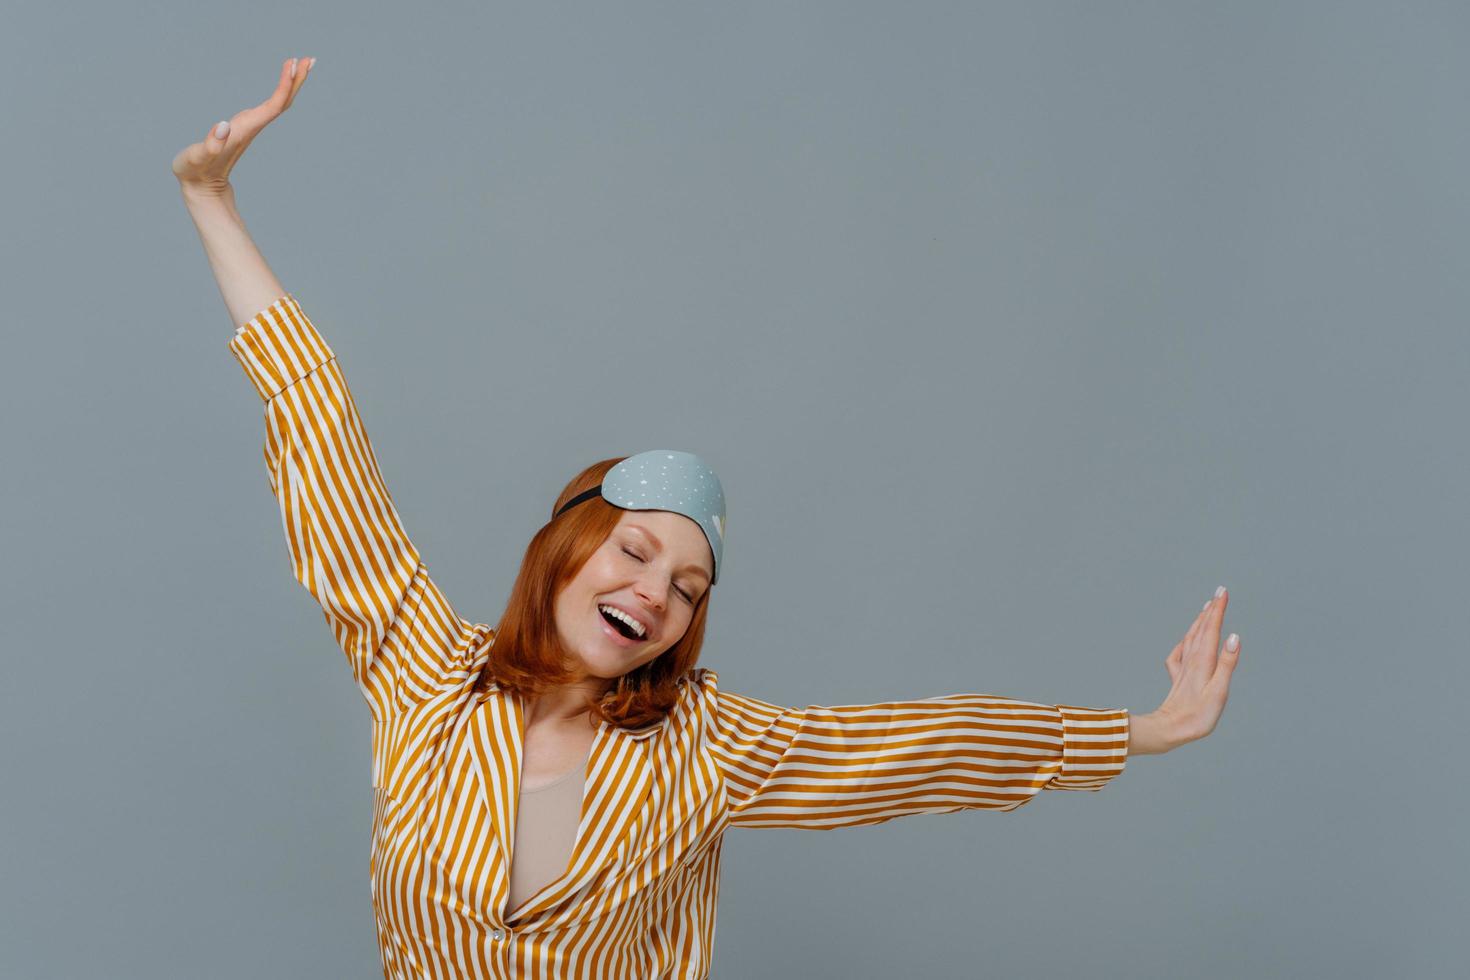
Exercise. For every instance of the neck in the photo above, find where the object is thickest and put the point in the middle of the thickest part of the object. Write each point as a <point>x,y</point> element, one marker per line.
<point>566,703</point>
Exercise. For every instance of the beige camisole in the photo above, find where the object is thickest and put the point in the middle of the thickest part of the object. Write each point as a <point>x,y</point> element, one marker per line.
<point>546,829</point>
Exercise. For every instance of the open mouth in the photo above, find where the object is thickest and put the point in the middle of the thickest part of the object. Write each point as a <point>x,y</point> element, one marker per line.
<point>623,629</point>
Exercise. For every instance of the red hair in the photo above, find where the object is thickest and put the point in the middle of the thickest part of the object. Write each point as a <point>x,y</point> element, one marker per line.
<point>527,656</point>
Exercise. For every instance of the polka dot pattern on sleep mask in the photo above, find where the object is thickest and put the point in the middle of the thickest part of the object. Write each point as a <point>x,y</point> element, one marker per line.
<point>667,479</point>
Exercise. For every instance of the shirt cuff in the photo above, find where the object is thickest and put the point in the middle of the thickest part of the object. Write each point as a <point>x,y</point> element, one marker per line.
<point>278,347</point>
<point>1094,747</point>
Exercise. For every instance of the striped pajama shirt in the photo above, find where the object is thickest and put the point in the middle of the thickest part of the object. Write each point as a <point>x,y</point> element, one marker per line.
<point>638,897</point>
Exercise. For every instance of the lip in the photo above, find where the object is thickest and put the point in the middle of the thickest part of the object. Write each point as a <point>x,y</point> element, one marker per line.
<point>650,628</point>
<point>613,634</point>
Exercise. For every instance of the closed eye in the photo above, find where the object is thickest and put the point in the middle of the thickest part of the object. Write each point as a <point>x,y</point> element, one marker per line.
<point>684,595</point>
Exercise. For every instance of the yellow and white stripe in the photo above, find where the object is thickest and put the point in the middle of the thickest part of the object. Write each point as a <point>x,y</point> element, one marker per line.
<point>639,894</point>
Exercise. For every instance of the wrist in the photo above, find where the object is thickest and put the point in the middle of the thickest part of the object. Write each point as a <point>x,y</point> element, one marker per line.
<point>1152,733</point>
<point>207,199</point>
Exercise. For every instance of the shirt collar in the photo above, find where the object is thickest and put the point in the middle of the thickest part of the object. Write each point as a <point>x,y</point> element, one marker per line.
<point>637,734</point>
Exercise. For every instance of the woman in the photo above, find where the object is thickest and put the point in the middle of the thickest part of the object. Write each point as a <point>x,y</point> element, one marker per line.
<point>551,794</point>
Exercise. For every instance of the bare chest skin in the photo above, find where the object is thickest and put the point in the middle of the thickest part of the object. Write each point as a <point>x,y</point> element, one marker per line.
<point>551,749</point>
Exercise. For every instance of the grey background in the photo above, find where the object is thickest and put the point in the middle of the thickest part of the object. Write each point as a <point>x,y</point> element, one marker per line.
<point>1012,329</point>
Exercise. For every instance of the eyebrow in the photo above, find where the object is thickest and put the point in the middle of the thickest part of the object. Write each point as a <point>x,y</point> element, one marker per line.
<point>692,566</point>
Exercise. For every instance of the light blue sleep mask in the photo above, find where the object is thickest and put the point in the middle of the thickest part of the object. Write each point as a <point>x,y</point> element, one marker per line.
<point>666,479</point>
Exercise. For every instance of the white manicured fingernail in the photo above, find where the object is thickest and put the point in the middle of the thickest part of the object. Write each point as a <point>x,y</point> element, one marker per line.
<point>1232,642</point>
<point>223,129</point>
<point>293,67</point>
<point>1219,592</point>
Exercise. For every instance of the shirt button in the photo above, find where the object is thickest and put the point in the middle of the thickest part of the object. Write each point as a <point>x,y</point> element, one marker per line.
<point>497,934</point>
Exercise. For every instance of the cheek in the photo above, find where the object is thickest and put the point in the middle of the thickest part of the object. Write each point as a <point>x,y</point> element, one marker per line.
<point>682,626</point>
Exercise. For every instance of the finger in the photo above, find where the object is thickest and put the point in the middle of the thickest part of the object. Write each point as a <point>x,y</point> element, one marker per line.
<point>293,78</point>
<point>279,98</point>
<point>1175,662</point>
<point>281,94</point>
<point>1199,651</point>
<point>1194,627</point>
<point>1208,637</point>
<point>1209,619</point>
<point>248,123</point>
<point>1229,658</point>
<point>300,68</point>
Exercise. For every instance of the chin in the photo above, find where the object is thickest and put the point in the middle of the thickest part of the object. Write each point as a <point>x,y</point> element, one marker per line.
<point>605,666</point>
<point>609,665</point>
<point>604,672</point>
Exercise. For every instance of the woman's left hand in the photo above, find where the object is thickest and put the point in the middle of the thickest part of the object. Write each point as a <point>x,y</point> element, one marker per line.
<point>1201,673</point>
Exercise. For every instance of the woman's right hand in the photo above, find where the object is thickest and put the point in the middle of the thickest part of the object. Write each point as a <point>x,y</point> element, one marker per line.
<point>203,169</point>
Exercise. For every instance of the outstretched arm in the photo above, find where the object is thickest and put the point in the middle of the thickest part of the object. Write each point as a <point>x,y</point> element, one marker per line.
<point>818,767</point>
<point>848,765</point>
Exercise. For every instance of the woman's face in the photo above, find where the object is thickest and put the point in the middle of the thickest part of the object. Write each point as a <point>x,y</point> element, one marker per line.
<point>653,567</point>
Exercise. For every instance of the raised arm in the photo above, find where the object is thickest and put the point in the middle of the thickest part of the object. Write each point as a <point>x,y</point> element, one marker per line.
<point>203,170</point>
<point>403,640</point>
<point>820,767</point>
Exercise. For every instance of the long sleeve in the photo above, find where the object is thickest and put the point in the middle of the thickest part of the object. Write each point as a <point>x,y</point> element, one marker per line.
<point>822,767</point>
<point>402,639</point>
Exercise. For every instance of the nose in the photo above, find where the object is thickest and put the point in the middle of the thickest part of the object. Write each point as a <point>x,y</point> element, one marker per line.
<point>649,590</point>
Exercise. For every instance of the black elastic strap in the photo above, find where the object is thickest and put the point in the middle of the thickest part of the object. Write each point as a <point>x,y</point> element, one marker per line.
<point>584,495</point>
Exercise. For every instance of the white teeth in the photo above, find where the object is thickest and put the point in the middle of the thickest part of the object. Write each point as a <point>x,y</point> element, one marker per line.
<point>614,611</point>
